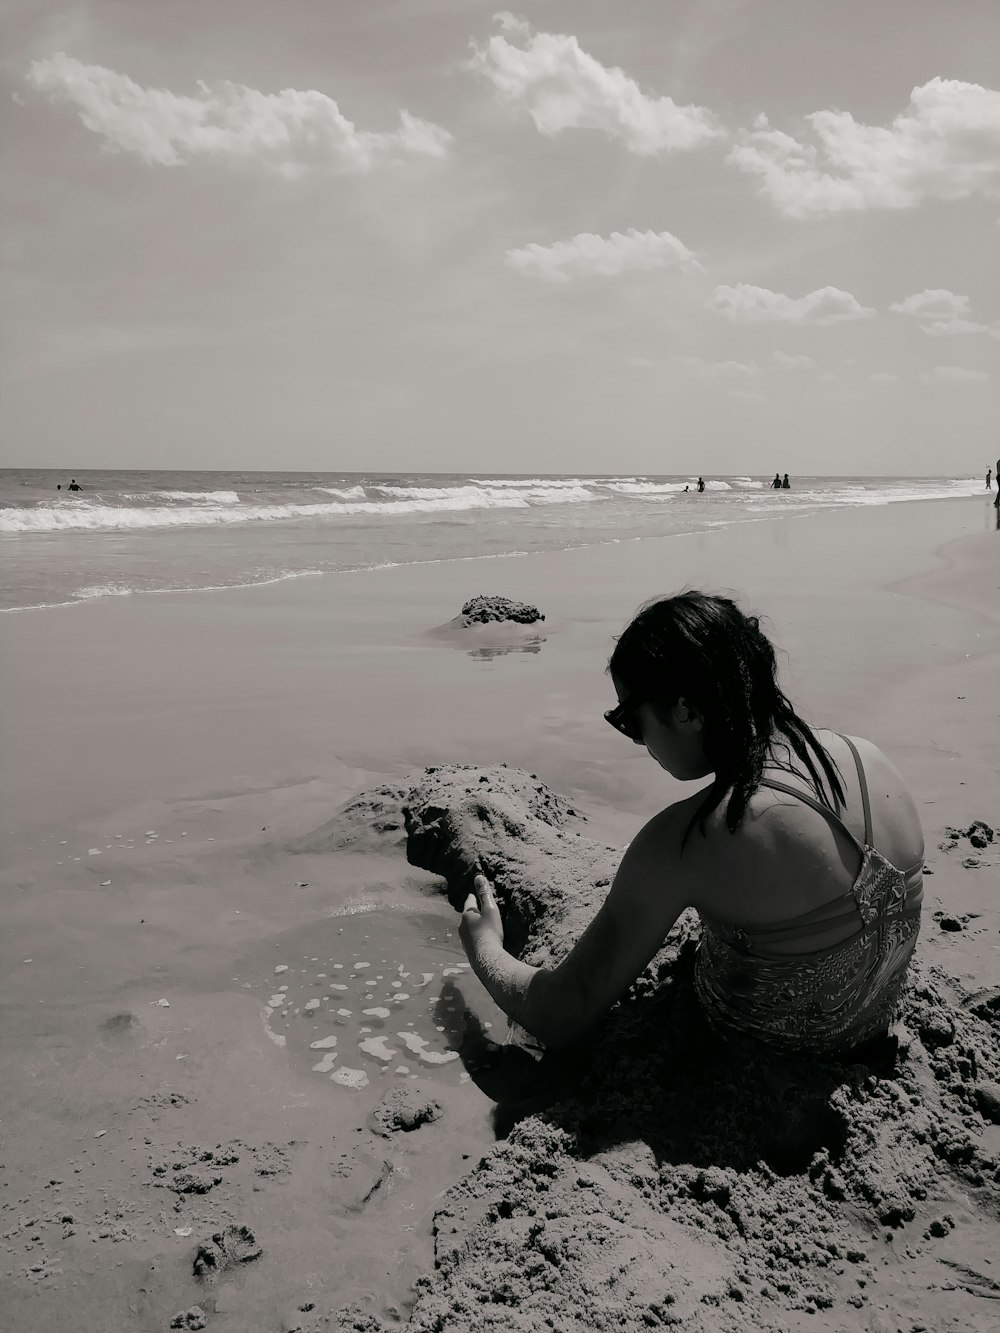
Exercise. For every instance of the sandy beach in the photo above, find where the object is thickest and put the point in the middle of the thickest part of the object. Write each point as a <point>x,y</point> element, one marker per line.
<point>219,961</point>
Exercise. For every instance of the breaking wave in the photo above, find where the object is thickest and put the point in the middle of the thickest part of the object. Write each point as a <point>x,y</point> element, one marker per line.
<point>120,510</point>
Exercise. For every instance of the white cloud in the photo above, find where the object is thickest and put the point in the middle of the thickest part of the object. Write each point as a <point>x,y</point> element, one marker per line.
<point>953,375</point>
<point>827,305</point>
<point>945,145</point>
<point>946,314</point>
<point>565,88</point>
<point>792,361</point>
<point>932,303</point>
<point>605,256</point>
<point>291,131</point>
<point>716,370</point>
<point>882,377</point>
<point>947,328</point>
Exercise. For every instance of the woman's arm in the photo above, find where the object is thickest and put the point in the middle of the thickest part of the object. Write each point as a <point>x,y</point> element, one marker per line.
<point>558,1004</point>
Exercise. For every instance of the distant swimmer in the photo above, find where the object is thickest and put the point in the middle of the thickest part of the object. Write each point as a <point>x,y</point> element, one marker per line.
<point>776,484</point>
<point>686,489</point>
<point>784,483</point>
<point>59,486</point>
<point>701,484</point>
<point>74,485</point>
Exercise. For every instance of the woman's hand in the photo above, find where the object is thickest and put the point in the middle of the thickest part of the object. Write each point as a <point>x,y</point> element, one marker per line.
<point>481,923</point>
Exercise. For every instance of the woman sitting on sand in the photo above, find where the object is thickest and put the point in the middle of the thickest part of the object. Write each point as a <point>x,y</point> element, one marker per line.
<point>802,857</point>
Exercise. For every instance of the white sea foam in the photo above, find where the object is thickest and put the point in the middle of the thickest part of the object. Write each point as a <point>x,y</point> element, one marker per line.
<point>204,497</point>
<point>103,590</point>
<point>350,1078</point>
<point>83,595</point>
<point>106,518</point>
<point>549,483</point>
<point>378,1047</point>
<point>419,1047</point>
<point>644,489</point>
<point>392,501</point>
<point>488,495</point>
<point>853,494</point>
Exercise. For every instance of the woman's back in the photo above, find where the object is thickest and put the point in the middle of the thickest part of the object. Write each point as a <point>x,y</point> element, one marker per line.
<point>787,859</point>
<point>810,918</point>
<point>803,854</point>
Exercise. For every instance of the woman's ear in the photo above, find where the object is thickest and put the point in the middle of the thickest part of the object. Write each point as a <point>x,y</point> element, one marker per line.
<point>687,716</point>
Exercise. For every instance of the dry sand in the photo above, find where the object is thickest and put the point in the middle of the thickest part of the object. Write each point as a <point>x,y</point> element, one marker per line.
<point>647,1183</point>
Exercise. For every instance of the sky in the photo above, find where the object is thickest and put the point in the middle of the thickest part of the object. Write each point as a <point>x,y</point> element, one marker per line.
<point>716,236</point>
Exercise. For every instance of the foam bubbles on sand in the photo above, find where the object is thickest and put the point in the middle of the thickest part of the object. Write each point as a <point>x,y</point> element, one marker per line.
<point>379,1047</point>
<point>350,1078</point>
<point>353,1031</point>
<point>419,1048</point>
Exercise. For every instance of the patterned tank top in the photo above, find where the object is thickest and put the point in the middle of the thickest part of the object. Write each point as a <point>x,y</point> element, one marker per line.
<point>826,1000</point>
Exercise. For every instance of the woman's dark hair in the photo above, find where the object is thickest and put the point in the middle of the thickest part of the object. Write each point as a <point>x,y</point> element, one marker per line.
<point>704,649</point>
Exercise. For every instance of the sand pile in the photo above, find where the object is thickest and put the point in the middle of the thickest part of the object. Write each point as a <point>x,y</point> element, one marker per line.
<point>489,626</point>
<point>485,608</point>
<point>659,1177</point>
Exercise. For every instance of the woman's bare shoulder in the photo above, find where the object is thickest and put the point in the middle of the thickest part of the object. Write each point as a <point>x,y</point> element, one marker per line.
<point>698,850</point>
<point>895,817</point>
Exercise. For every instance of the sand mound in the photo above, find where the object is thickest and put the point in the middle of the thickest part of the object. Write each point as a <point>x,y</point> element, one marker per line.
<point>403,1109</point>
<point>673,1179</point>
<point>491,626</point>
<point>483,609</point>
<point>371,821</point>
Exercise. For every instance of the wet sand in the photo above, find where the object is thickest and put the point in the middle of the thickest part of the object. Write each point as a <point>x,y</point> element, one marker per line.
<point>173,764</point>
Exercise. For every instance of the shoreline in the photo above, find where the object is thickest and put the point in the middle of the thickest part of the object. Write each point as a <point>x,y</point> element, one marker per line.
<point>291,575</point>
<point>224,907</point>
<point>117,711</point>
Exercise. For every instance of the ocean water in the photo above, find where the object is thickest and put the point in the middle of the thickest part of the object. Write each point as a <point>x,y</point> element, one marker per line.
<point>133,532</point>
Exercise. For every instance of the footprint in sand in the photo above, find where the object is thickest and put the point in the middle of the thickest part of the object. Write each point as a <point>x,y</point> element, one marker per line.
<point>395,1009</point>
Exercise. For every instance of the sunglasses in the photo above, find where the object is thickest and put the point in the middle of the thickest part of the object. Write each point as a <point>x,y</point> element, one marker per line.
<point>623,719</point>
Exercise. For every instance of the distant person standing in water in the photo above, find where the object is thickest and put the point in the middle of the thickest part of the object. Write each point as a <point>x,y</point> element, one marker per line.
<point>776,484</point>
<point>784,483</point>
<point>989,474</point>
<point>701,484</point>
<point>73,485</point>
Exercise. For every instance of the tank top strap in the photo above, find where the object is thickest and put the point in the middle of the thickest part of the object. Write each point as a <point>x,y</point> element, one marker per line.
<point>863,782</point>
<point>824,810</point>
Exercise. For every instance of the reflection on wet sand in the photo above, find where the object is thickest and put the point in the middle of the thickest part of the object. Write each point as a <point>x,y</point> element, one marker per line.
<point>499,650</point>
